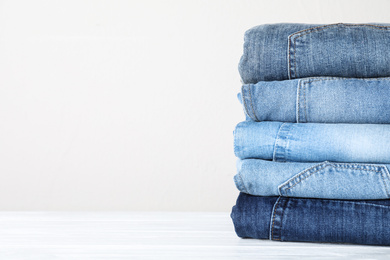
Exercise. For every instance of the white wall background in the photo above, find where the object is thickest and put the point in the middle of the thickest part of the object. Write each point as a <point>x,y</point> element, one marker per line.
<point>130,105</point>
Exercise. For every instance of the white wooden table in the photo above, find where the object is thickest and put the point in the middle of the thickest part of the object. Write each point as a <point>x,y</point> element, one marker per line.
<point>129,235</point>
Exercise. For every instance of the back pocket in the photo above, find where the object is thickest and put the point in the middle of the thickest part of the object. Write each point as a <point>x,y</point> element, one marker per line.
<point>341,50</point>
<point>339,181</point>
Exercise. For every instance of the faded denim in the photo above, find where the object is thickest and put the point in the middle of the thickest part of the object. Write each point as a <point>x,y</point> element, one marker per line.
<point>328,180</point>
<point>319,100</point>
<point>313,142</point>
<point>312,220</point>
<point>290,51</point>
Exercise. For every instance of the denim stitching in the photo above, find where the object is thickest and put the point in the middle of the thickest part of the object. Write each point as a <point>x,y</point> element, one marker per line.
<point>298,99</point>
<point>311,80</point>
<point>295,59</point>
<point>235,138</point>
<point>289,45</point>
<point>328,165</point>
<point>276,141</point>
<point>304,101</point>
<point>317,29</point>
<point>287,143</point>
<point>323,165</point>
<point>314,79</point>
<point>244,101</point>
<point>288,56</point>
<point>325,27</point>
<point>306,177</point>
<point>384,183</point>
<point>243,184</point>
<point>273,218</point>
<point>250,97</point>
<point>387,173</point>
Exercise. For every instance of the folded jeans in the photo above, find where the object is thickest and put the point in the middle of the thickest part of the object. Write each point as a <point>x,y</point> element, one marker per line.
<point>327,180</point>
<point>319,100</point>
<point>312,220</point>
<point>312,142</point>
<point>290,51</point>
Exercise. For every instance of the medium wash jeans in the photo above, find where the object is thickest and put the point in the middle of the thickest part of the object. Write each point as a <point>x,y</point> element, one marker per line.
<point>291,51</point>
<point>312,220</point>
<point>319,100</point>
<point>352,181</point>
<point>312,142</point>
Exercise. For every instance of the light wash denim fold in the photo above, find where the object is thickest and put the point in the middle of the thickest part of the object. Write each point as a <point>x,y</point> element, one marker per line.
<point>290,51</point>
<point>319,100</point>
<point>312,142</point>
<point>312,220</point>
<point>327,180</point>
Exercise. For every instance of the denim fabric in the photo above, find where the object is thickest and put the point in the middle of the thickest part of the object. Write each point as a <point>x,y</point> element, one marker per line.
<point>328,180</point>
<point>319,100</point>
<point>312,220</point>
<point>312,142</point>
<point>290,51</point>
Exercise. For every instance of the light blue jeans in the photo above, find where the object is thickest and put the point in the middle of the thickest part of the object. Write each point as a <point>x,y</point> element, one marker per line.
<point>313,142</point>
<point>354,181</point>
<point>319,100</point>
<point>291,51</point>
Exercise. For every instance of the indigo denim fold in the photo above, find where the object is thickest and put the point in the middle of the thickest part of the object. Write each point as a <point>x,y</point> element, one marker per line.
<point>312,142</point>
<point>328,180</point>
<point>290,51</point>
<point>319,100</point>
<point>312,220</point>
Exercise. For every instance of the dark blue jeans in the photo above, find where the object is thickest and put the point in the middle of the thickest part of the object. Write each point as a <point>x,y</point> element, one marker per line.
<point>312,220</point>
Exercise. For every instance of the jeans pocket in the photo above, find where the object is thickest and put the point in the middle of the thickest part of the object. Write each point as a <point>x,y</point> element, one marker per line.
<point>328,50</point>
<point>339,181</point>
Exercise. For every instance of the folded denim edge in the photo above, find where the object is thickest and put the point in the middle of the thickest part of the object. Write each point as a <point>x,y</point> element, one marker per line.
<point>246,96</point>
<point>239,182</point>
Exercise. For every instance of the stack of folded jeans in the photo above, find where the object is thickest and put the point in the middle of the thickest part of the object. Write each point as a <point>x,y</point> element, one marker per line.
<point>314,151</point>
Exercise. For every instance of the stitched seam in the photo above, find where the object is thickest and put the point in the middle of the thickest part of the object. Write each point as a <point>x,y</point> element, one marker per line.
<point>276,141</point>
<point>243,184</point>
<point>273,220</point>
<point>335,78</point>
<point>334,166</point>
<point>289,43</point>
<point>288,57</point>
<point>295,40</point>
<point>244,101</point>
<point>357,166</point>
<point>325,27</point>
<point>286,153</point>
<point>320,28</point>
<point>325,164</point>
<point>250,97</point>
<point>387,173</point>
<point>304,178</point>
<point>318,165</point>
<point>384,183</point>
<point>298,100</point>
<point>304,100</point>
<point>311,80</point>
